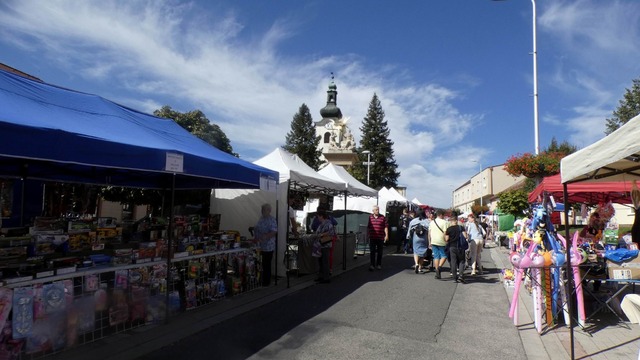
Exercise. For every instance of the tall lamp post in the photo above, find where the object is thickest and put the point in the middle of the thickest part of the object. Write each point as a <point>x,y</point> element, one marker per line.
<point>368,163</point>
<point>535,80</point>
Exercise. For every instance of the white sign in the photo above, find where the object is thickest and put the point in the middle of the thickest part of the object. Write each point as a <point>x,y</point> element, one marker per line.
<point>174,162</point>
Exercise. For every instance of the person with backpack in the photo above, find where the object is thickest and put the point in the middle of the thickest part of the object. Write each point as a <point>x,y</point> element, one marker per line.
<point>418,229</point>
<point>476,241</point>
<point>456,238</point>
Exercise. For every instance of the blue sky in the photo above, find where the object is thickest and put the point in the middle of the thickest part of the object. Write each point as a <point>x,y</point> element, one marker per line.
<point>454,77</point>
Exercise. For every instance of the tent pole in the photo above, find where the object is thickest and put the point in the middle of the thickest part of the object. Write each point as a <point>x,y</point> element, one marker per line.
<point>275,256</point>
<point>22,181</point>
<point>170,246</point>
<point>344,236</point>
<point>569,271</point>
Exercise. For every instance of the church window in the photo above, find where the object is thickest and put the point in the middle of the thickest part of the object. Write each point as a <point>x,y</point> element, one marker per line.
<point>327,137</point>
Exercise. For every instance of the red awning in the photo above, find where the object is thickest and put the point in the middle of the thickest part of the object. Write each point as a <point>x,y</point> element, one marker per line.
<point>592,193</point>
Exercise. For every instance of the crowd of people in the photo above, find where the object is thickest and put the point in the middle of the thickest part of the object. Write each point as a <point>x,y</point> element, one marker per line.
<point>434,241</point>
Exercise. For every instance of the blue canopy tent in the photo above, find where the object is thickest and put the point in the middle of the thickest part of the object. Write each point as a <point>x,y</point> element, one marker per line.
<point>52,133</point>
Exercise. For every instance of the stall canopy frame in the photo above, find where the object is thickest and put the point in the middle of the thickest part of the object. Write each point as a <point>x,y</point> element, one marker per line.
<point>615,157</point>
<point>586,193</point>
<point>55,134</point>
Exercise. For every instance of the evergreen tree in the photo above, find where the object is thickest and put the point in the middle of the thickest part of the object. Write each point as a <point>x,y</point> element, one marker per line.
<point>375,138</point>
<point>565,148</point>
<point>628,108</point>
<point>196,122</point>
<point>302,139</point>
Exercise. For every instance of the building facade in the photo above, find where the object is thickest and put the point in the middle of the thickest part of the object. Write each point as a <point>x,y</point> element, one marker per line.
<point>483,187</point>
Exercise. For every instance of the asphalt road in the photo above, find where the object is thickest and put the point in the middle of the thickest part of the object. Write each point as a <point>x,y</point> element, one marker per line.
<point>391,313</point>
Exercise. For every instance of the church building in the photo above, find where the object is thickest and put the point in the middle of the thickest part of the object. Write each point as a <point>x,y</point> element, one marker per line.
<point>337,143</point>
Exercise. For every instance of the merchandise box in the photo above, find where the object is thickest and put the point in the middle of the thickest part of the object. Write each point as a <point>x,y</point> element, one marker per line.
<point>107,222</point>
<point>625,270</point>
<point>79,226</point>
<point>108,235</point>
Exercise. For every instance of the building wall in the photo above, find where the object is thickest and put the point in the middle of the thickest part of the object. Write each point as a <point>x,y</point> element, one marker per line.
<point>485,184</point>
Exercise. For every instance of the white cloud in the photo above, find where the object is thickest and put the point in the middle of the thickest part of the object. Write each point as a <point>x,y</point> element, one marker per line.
<point>242,83</point>
<point>592,42</point>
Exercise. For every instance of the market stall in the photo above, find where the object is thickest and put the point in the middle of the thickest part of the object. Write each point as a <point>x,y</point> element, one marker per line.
<point>616,157</point>
<point>79,281</point>
<point>295,176</point>
<point>353,189</point>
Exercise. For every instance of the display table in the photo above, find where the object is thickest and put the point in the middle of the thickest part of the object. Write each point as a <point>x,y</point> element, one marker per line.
<point>621,285</point>
<point>307,264</point>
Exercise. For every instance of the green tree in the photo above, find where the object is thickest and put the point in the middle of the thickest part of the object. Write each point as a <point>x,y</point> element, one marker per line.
<point>196,122</point>
<point>564,148</point>
<point>375,138</point>
<point>628,108</point>
<point>514,202</point>
<point>302,139</point>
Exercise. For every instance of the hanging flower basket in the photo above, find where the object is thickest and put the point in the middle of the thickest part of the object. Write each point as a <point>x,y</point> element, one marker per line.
<point>533,166</point>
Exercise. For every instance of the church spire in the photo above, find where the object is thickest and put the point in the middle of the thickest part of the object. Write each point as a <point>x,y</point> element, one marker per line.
<point>331,110</point>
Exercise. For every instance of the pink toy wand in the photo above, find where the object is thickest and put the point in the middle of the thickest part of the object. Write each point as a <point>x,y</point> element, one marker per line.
<point>577,278</point>
<point>522,264</point>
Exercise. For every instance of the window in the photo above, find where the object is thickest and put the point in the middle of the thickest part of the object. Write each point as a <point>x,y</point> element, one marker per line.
<point>327,137</point>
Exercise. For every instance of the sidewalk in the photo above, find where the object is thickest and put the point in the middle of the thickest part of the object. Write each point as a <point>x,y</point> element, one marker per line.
<point>604,340</point>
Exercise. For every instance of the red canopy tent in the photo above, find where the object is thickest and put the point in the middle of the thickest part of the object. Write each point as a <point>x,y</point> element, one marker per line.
<point>591,193</point>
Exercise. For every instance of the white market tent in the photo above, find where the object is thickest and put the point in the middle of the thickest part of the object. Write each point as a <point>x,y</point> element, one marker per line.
<point>616,157</point>
<point>395,195</point>
<point>354,187</point>
<point>363,204</point>
<point>416,201</point>
<point>240,209</point>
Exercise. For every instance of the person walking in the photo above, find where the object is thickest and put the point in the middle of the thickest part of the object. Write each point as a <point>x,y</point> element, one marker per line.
<point>476,243</point>
<point>378,235</point>
<point>417,234</point>
<point>437,241</point>
<point>403,223</point>
<point>265,233</point>
<point>452,236</point>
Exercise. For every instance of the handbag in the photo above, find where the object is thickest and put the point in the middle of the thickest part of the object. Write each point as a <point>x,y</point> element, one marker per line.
<point>325,238</point>
<point>463,244</point>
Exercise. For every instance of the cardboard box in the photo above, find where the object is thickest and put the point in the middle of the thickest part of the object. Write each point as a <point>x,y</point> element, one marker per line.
<point>624,270</point>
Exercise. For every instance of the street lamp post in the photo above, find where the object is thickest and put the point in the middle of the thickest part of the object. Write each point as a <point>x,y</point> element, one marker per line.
<point>368,163</point>
<point>535,80</point>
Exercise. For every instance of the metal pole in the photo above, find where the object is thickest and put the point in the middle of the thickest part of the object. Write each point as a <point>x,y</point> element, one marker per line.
<point>368,166</point>
<point>368,163</point>
<point>535,82</point>
<point>569,269</point>
<point>481,184</point>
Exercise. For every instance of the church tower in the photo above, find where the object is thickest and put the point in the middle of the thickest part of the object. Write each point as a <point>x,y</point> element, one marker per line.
<point>337,143</point>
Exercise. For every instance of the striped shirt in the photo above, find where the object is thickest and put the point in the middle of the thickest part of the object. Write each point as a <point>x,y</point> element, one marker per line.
<point>376,226</point>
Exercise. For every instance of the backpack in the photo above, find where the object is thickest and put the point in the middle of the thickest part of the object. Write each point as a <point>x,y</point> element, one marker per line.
<point>420,230</point>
